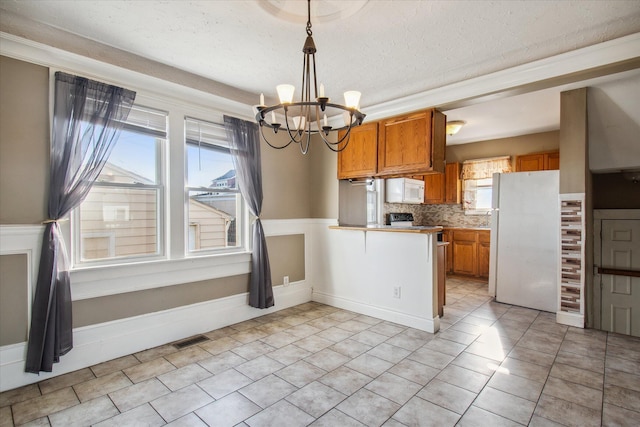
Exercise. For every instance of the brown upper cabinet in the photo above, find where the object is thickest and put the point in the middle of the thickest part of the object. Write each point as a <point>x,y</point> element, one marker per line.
<point>440,188</point>
<point>434,188</point>
<point>453,184</point>
<point>538,162</point>
<point>360,158</point>
<point>412,143</point>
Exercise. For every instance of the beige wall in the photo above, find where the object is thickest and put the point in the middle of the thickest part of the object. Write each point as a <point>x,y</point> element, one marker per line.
<point>24,168</point>
<point>515,146</point>
<point>14,289</point>
<point>324,182</point>
<point>297,185</point>
<point>24,142</point>
<point>286,257</point>
<point>285,180</point>
<point>113,307</point>
<point>574,157</point>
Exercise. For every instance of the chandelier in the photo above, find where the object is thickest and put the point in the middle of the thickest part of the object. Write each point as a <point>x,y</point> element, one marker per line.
<point>309,116</point>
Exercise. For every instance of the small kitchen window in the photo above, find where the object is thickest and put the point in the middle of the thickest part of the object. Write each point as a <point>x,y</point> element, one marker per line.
<point>477,183</point>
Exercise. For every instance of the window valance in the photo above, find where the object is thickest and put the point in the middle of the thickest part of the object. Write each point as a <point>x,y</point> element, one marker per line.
<point>485,168</point>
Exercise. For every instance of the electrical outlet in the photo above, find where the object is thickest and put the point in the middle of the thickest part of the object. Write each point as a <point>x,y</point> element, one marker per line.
<point>285,281</point>
<point>396,292</point>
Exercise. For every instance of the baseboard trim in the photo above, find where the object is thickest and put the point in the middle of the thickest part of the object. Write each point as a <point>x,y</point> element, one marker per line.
<point>106,341</point>
<point>422,323</point>
<point>570,319</point>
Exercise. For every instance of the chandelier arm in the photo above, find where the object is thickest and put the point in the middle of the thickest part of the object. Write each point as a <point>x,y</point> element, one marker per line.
<point>331,146</point>
<point>341,140</point>
<point>304,148</point>
<point>291,135</point>
<point>358,115</point>
<point>325,132</point>
<point>270,144</point>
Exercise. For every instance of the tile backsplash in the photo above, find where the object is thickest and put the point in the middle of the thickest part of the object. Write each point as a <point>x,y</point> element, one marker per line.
<point>445,215</point>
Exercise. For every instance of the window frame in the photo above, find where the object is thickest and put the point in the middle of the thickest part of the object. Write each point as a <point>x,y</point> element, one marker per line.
<point>160,188</point>
<point>176,265</point>
<point>482,210</point>
<point>241,205</point>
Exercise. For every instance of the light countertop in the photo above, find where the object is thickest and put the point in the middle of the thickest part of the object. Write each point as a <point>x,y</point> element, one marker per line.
<point>388,228</point>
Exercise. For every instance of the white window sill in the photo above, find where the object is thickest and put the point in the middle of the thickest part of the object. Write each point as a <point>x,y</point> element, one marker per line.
<point>98,281</point>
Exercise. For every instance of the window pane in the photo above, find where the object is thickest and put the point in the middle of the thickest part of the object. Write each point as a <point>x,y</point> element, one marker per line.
<point>134,160</point>
<point>210,166</point>
<point>483,198</point>
<point>117,222</point>
<point>212,220</point>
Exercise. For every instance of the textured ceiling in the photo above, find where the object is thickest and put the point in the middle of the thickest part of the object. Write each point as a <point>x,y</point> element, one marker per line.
<point>385,49</point>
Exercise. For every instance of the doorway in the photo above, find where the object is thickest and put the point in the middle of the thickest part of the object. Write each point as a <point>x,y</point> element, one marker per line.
<point>617,272</point>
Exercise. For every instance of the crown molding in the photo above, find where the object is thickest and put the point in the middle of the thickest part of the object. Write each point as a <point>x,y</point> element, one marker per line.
<point>151,86</point>
<point>593,61</point>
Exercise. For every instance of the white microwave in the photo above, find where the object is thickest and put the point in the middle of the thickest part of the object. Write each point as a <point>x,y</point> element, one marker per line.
<point>404,190</point>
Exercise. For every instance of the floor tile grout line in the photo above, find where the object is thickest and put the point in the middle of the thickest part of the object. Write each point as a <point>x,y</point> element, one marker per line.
<point>555,357</point>
<point>469,310</point>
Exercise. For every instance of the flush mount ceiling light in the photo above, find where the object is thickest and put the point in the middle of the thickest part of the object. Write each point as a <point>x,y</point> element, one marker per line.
<point>295,11</point>
<point>454,126</point>
<point>309,116</point>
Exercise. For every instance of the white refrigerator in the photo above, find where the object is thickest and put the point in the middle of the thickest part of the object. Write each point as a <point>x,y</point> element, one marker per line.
<point>525,228</point>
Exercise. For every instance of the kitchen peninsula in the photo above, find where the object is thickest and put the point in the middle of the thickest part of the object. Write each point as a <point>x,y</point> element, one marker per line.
<point>382,271</point>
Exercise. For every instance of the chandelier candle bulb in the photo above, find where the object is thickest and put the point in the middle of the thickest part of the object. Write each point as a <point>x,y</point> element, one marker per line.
<point>325,122</point>
<point>352,98</point>
<point>322,93</point>
<point>285,93</point>
<point>273,117</point>
<point>262,99</point>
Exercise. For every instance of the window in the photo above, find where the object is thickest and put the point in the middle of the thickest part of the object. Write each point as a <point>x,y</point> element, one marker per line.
<point>123,213</point>
<point>214,200</point>
<point>477,183</point>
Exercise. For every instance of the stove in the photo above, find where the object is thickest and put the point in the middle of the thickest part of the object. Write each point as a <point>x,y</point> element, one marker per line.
<point>401,219</point>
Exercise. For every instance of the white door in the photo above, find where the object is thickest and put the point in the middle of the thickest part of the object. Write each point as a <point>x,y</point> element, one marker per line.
<point>620,293</point>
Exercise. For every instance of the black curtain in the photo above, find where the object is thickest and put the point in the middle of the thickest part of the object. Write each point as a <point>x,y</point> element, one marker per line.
<point>244,139</point>
<point>87,119</point>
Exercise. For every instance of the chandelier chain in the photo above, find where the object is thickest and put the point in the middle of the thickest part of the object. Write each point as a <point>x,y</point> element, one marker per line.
<point>309,32</point>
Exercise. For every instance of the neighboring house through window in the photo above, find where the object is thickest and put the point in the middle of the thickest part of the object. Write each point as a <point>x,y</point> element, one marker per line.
<point>122,215</point>
<point>214,198</point>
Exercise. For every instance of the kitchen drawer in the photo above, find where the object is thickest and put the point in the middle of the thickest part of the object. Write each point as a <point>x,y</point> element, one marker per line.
<point>464,235</point>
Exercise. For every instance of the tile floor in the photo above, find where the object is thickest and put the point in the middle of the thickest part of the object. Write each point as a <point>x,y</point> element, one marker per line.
<point>491,365</point>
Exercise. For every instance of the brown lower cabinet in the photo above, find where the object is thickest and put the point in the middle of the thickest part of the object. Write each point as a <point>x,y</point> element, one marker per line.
<point>468,253</point>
